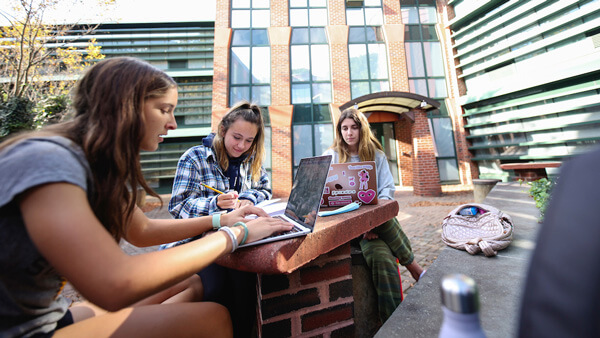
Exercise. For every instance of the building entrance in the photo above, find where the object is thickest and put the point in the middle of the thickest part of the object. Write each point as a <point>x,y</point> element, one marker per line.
<point>384,132</point>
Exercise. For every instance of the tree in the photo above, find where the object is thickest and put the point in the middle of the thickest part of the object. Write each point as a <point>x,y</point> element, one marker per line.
<point>34,54</point>
<point>39,60</point>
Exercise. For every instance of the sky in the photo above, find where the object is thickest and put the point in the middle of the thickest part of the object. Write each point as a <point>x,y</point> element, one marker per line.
<point>130,11</point>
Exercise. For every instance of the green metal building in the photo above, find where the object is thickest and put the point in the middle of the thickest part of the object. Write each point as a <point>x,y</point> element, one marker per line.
<point>529,77</point>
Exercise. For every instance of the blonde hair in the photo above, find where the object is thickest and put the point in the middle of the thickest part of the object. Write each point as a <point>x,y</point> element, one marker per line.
<point>367,144</point>
<point>250,112</point>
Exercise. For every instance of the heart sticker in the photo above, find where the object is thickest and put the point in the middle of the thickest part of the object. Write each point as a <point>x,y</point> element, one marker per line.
<point>366,196</point>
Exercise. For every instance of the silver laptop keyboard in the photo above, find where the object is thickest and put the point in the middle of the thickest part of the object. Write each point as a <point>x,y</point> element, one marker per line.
<point>293,230</point>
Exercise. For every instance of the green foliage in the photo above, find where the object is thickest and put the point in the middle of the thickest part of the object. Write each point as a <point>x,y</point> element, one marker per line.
<point>16,114</point>
<point>51,110</point>
<point>540,190</point>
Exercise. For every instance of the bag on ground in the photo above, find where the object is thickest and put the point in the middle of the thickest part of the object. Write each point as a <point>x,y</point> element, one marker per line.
<point>477,228</point>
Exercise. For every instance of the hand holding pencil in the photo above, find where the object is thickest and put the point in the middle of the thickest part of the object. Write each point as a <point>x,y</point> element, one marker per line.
<point>228,200</point>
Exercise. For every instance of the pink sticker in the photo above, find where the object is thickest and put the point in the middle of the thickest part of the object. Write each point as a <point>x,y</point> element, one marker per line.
<point>366,196</point>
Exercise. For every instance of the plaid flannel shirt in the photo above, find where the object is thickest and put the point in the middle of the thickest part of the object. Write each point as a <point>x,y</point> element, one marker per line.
<point>199,165</point>
<point>189,199</point>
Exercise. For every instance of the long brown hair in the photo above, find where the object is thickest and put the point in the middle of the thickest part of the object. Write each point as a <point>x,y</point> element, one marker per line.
<point>109,126</point>
<point>367,145</point>
<point>251,113</point>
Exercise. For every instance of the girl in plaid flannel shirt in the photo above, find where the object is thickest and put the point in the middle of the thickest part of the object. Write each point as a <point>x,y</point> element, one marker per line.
<point>229,161</point>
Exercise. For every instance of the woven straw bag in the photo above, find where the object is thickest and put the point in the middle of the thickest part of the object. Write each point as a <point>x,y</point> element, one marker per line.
<point>487,232</point>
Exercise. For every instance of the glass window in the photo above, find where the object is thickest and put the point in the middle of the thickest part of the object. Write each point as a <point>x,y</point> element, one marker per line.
<point>261,65</point>
<point>300,63</point>
<point>250,52</point>
<point>444,139</point>
<point>300,93</point>
<point>367,51</point>
<point>240,65</point>
<point>299,17</point>
<point>434,59</point>
<point>261,19</point>
<point>299,35</point>
<point>320,63</point>
<point>240,19</point>
<point>318,17</point>
<point>358,60</point>
<point>322,93</point>
<point>448,170</point>
<point>378,61</point>
<point>323,133</point>
<point>414,61</point>
<point>303,142</point>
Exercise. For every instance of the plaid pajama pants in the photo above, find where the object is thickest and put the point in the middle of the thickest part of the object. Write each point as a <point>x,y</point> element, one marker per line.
<point>381,254</point>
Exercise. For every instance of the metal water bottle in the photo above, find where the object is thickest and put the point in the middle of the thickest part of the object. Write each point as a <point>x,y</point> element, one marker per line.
<point>460,303</point>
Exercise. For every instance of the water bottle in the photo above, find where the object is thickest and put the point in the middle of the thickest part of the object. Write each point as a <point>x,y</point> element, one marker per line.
<point>460,303</point>
<point>468,211</point>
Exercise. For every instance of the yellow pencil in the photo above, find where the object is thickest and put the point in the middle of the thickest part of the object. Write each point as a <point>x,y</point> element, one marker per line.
<point>211,188</point>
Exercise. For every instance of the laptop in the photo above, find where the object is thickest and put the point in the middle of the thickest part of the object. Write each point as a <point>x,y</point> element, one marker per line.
<point>350,182</point>
<point>305,199</point>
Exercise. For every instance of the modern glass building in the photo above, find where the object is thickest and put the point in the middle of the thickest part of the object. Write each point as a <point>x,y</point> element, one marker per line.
<point>529,79</point>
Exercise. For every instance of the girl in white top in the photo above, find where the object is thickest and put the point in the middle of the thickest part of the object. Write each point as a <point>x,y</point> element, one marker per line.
<point>354,142</point>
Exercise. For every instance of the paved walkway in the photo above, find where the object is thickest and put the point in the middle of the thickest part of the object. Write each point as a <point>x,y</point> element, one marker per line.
<point>420,217</point>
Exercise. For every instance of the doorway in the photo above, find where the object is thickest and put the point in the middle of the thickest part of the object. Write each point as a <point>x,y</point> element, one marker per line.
<point>384,132</point>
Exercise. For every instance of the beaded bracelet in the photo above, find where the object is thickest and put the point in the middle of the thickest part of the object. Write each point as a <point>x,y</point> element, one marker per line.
<point>245,231</point>
<point>216,221</point>
<point>234,242</point>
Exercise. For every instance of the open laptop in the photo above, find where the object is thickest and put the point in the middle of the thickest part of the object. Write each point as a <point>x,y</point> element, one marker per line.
<point>305,199</point>
<point>350,182</point>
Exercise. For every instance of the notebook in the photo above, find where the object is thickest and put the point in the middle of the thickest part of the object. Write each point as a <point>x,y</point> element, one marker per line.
<point>305,199</point>
<point>350,182</point>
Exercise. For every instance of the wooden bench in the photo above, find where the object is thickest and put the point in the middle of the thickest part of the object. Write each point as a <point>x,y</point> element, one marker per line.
<point>529,171</point>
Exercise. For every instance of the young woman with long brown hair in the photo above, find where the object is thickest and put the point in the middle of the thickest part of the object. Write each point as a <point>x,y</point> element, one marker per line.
<point>354,142</point>
<point>67,196</point>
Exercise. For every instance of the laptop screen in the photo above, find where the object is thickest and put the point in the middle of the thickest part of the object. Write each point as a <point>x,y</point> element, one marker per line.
<point>305,197</point>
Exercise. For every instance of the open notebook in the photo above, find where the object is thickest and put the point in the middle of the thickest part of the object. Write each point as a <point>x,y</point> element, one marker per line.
<point>305,199</point>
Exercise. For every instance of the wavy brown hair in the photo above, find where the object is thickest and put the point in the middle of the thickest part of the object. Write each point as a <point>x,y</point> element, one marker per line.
<point>249,112</point>
<point>367,145</point>
<point>109,127</point>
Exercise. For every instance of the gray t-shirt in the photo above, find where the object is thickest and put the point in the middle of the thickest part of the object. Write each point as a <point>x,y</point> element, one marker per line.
<point>30,289</point>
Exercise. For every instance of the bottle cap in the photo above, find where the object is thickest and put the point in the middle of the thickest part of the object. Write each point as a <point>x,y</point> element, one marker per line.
<point>459,293</point>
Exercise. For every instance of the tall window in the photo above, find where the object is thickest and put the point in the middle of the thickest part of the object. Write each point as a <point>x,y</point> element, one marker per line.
<point>310,79</point>
<point>250,52</point>
<point>424,59</point>
<point>426,77</point>
<point>366,49</point>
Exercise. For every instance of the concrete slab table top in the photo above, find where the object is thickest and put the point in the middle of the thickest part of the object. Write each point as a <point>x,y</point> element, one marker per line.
<point>500,279</point>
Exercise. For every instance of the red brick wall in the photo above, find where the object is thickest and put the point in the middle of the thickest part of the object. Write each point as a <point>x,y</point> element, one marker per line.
<point>281,153</point>
<point>426,178</point>
<point>314,300</point>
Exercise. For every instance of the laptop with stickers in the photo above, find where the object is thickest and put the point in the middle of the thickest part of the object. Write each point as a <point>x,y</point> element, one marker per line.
<point>350,182</point>
<point>305,199</point>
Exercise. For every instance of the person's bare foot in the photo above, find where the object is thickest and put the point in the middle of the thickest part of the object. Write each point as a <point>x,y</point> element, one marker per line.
<point>415,270</point>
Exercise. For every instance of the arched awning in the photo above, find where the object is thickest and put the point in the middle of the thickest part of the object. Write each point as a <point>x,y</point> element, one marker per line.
<point>392,102</point>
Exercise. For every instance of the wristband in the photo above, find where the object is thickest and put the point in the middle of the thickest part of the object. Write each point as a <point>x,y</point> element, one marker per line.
<point>234,242</point>
<point>245,231</point>
<point>216,221</point>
